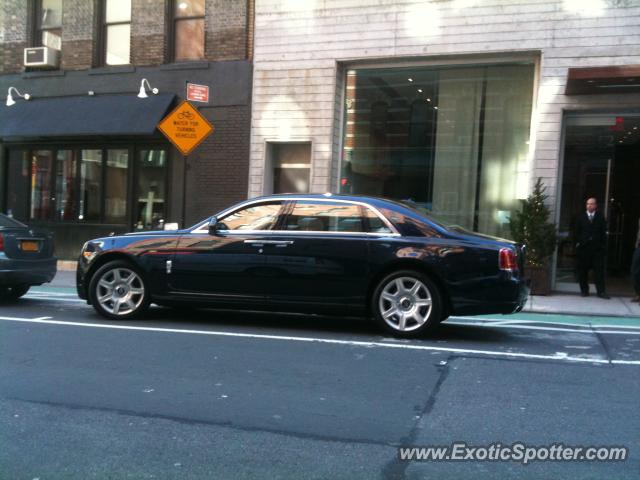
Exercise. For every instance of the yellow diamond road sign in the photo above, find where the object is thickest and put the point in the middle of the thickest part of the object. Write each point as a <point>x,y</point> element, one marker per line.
<point>185,127</point>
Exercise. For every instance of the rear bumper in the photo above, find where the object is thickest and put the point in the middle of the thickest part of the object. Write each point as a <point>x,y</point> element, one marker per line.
<point>509,296</point>
<point>26,272</point>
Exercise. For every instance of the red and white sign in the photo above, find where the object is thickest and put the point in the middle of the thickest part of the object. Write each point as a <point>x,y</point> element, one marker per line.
<point>197,93</point>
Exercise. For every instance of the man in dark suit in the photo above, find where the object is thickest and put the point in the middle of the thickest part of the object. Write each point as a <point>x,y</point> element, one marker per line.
<point>591,246</point>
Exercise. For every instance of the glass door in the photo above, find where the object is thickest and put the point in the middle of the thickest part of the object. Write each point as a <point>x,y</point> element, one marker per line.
<point>601,154</point>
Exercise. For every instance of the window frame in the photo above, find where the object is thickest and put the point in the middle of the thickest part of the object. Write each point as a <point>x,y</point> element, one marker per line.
<point>171,32</point>
<point>102,26</point>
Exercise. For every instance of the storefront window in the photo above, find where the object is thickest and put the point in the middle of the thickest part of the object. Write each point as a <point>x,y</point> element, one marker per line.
<point>91,186</point>
<point>41,175</point>
<point>90,183</point>
<point>66,199</point>
<point>18,176</point>
<point>117,171</point>
<point>454,140</point>
<point>151,191</point>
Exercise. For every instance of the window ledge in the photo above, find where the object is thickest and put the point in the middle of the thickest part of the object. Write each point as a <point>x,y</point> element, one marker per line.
<point>43,73</point>
<point>189,65</point>
<point>111,70</point>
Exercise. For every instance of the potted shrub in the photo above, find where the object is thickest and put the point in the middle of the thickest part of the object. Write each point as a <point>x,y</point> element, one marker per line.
<point>532,227</point>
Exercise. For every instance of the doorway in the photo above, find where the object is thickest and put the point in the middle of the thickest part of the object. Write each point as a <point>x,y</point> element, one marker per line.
<point>601,160</point>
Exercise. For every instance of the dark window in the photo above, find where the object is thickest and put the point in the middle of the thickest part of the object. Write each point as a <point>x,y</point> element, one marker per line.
<point>48,23</point>
<point>187,30</point>
<point>93,185</point>
<point>10,222</point>
<point>152,189</point>
<point>325,217</point>
<point>115,32</point>
<point>66,174</point>
<point>41,175</point>
<point>255,217</point>
<point>117,173</point>
<point>90,185</point>
<point>18,181</point>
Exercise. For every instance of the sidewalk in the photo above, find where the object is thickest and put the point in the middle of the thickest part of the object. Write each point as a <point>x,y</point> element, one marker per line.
<point>557,303</point>
<point>572,304</point>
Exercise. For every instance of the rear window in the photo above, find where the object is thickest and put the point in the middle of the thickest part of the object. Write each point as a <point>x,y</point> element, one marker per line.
<point>7,222</point>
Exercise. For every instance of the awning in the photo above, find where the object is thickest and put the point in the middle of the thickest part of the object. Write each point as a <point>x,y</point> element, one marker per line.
<point>82,116</point>
<point>599,80</point>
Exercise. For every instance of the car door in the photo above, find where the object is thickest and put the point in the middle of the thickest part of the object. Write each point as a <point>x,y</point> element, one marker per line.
<point>320,255</point>
<point>230,265</point>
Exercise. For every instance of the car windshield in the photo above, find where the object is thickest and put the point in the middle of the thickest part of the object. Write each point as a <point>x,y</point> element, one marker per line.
<point>8,222</point>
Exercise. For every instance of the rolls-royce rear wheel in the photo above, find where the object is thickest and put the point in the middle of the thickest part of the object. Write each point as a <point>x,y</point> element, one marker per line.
<point>407,303</point>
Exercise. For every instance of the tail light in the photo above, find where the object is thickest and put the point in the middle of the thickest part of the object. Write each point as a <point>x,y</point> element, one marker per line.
<point>508,260</point>
<point>1,242</point>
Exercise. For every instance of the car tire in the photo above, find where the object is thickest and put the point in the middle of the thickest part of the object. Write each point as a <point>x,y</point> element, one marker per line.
<point>118,291</point>
<point>407,303</point>
<point>13,292</point>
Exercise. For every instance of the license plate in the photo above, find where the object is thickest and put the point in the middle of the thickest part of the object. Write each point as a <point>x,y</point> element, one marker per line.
<point>29,245</point>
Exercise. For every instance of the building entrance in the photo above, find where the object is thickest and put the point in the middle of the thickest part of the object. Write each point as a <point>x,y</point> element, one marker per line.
<point>601,160</point>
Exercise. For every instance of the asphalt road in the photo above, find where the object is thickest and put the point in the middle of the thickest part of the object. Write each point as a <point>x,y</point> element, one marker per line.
<point>216,395</point>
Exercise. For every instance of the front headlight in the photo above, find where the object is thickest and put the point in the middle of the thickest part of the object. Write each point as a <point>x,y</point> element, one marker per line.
<point>90,250</point>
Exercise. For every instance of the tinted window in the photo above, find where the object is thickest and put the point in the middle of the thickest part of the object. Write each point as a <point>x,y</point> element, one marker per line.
<point>376,225</point>
<point>256,217</point>
<point>9,222</point>
<point>325,217</point>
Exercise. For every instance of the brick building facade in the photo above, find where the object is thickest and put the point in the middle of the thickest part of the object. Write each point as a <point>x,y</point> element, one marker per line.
<point>216,172</point>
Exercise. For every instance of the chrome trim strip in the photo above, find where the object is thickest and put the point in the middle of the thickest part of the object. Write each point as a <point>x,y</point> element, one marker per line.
<point>269,242</point>
<point>394,231</point>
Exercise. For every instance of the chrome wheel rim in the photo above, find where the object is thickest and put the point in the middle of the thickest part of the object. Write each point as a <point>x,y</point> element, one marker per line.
<point>120,291</point>
<point>405,304</point>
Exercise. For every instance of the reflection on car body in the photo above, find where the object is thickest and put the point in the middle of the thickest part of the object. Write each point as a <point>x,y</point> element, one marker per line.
<point>309,253</point>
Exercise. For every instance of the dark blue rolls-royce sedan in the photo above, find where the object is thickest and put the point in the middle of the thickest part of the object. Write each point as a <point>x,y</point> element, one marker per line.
<point>353,255</point>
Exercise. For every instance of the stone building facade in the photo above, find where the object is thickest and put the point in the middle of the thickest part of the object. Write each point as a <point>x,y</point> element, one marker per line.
<point>459,105</point>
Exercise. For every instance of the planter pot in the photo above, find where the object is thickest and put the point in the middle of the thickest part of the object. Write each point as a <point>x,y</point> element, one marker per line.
<point>540,280</point>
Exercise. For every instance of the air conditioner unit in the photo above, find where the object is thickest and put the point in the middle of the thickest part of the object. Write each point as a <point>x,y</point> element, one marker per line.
<point>41,57</point>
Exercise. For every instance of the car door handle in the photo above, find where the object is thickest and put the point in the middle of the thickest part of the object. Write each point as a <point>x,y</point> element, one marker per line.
<point>275,243</point>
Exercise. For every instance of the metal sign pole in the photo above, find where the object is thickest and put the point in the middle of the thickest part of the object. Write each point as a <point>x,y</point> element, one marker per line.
<point>184,191</point>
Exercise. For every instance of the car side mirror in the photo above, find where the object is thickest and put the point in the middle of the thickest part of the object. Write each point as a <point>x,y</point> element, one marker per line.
<point>213,225</point>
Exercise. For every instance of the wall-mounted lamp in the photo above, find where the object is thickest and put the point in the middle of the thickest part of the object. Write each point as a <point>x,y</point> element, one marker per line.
<point>11,101</point>
<point>143,91</point>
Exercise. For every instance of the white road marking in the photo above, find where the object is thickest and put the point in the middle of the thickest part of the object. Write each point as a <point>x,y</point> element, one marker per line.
<point>557,356</point>
<point>21,319</point>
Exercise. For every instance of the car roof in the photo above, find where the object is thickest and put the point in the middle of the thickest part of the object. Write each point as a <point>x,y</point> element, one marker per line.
<point>326,196</point>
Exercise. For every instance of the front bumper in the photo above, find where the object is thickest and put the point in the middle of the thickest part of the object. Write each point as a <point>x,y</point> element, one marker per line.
<point>27,272</point>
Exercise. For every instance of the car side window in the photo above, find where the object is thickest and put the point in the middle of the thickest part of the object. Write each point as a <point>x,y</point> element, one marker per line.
<point>336,217</point>
<point>310,216</point>
<point>261,216</point>
<point>374,223</point>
